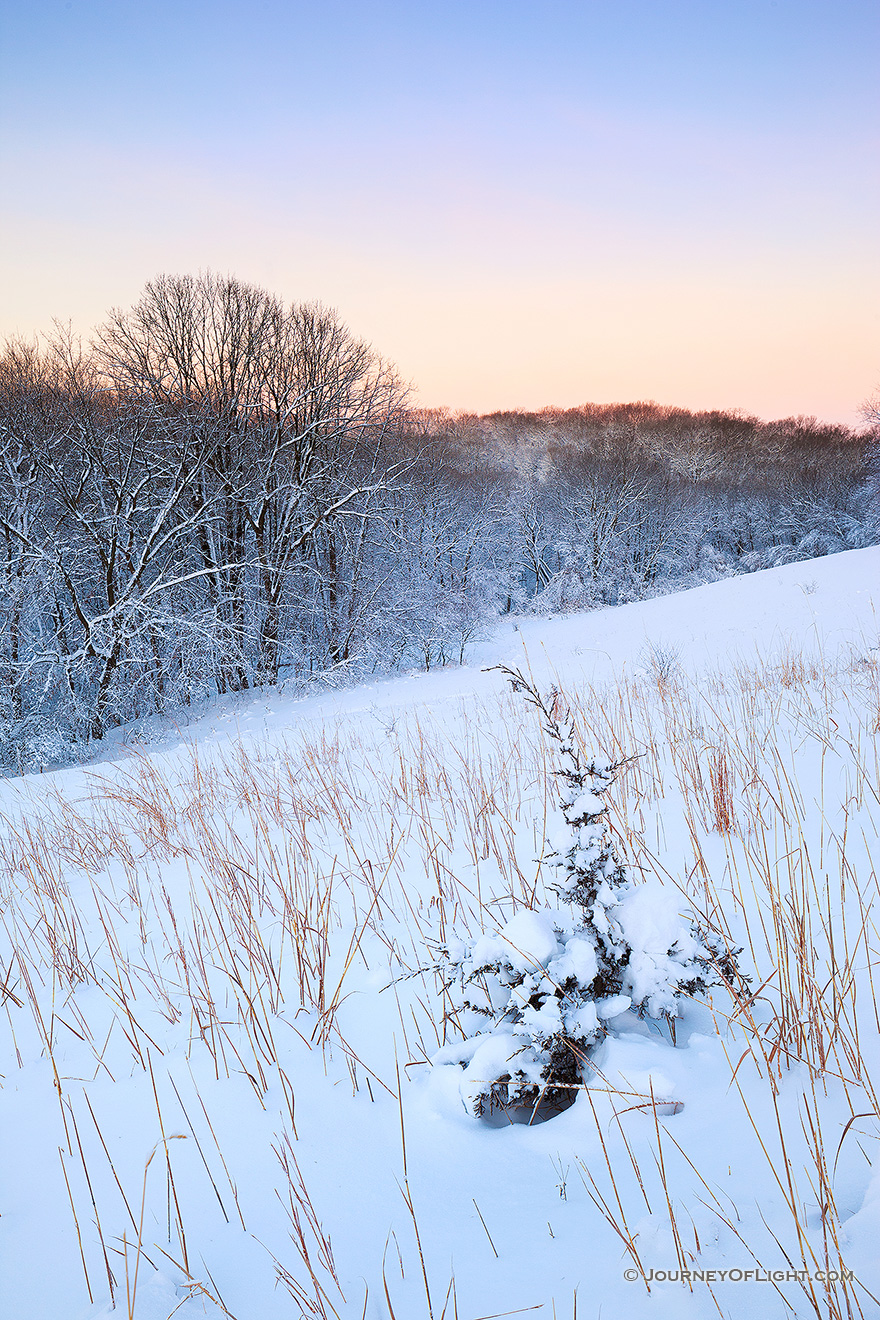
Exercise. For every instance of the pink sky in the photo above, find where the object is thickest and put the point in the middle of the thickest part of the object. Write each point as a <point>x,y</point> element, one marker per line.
<point>635,200</point>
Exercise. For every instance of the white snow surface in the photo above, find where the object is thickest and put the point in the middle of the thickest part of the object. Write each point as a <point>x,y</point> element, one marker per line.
<point>171,1114</point>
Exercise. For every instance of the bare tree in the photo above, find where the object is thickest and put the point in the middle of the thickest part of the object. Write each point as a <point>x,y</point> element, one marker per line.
<point>870,410</point>
<point>111,529</point>
<point>294,412</point>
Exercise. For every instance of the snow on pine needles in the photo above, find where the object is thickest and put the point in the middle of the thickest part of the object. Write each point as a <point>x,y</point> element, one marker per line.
<point>220,1009</point>
<point>533,1000</point>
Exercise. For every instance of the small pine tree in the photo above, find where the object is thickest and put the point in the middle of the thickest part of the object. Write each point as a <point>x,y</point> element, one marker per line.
<point>537,996</point>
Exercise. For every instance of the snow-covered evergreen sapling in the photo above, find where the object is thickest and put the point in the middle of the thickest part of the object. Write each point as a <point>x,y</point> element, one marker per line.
<point>537,995</point>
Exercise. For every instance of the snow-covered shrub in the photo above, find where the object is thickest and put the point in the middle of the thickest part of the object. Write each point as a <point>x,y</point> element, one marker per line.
<point>536,996</point>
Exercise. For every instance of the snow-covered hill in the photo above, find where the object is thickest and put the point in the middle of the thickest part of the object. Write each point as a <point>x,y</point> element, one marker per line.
<point>219,1012</point>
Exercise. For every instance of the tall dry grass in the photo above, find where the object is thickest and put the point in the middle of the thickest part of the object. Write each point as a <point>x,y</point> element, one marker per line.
<point>231,901</point>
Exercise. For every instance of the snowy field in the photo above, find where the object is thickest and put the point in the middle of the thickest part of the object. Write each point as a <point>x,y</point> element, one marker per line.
<point>220,1008</point>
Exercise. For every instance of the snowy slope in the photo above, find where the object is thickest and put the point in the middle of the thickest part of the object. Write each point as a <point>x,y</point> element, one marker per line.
<point>820,604</point>
<point>220,1005</point>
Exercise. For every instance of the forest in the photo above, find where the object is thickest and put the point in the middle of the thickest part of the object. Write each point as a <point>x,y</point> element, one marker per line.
<point>223,491</point>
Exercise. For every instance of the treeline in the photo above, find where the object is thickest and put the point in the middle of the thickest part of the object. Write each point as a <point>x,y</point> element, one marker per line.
<point>615,502</point>
<point>223,491</point>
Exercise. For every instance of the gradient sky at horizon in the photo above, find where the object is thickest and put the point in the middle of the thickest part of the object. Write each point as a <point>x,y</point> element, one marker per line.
<point>521,205</point>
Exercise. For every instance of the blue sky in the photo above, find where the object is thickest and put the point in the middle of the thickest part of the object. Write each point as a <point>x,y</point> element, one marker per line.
<point>519,204</point>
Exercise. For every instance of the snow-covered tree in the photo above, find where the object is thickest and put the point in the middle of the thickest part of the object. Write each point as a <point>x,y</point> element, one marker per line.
<point>534,997</point>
